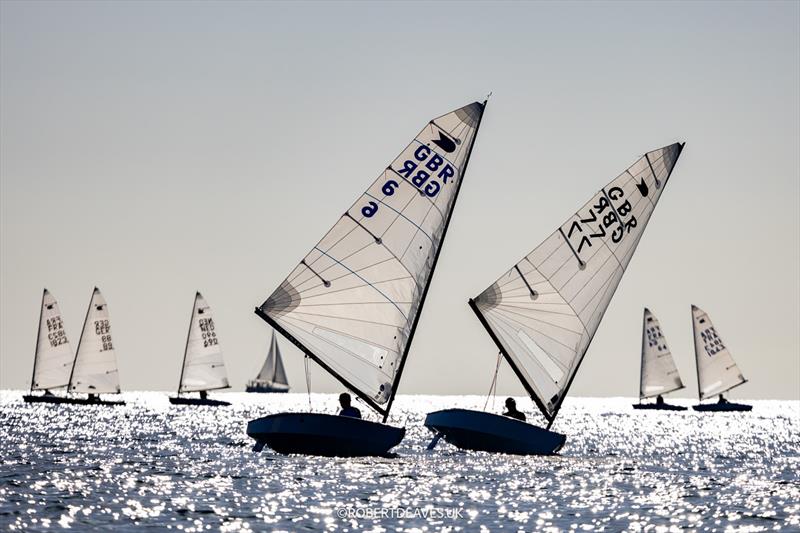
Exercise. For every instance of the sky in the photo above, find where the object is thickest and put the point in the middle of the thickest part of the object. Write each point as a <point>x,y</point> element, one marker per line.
<point>153,149</point>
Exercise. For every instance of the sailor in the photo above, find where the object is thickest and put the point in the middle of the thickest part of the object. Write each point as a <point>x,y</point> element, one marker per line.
<point>659,400</point>
<point>93,397</point>
<point>347,409</point>
<point>722,399</point>
<point>511,410</point>
<point>203,395</point>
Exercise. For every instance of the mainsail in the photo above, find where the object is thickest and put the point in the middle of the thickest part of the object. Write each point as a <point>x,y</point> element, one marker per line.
<point>53,362</point>
<point>203,367</point>
<point>716,370</point>
<point>659,374</point>
<point>353,303</point>
<point>95,369</point>
<point>273,373</point>
<point>545,310</point>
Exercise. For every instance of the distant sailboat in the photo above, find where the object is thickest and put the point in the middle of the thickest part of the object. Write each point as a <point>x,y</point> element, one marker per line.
<point>53,360</point>
<point>354,302</point>
<point>272,377</point>
<point>717,372</point>
<point>544,312</point>
<point>659,375</point>
<point>95,371</point>
<point>203,368</point>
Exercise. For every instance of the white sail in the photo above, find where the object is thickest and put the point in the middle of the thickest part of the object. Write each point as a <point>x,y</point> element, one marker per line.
<point>203,366</point>
<point>659,374</point>
<point>95,369</point>
<point>716,370</point>
<point>273,372</point>
<point>545,310</point>
<point>53,362</point>
<point>353,302</point>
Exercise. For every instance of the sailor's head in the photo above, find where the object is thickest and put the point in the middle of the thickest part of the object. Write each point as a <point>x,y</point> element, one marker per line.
<point>344,399</point>
<point>511,404</point>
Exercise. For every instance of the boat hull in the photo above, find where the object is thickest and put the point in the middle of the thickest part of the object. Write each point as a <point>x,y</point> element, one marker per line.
<point>197,401</point>
<point>488,432</point>
<point>659,407</point>
<point>31,398</point>
<point>326,435</point>
<point>265,388</point>
<point>722,407</point>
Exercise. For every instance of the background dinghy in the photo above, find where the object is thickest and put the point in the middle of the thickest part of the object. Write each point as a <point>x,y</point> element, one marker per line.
<point>659,375</point>
<point>544,312</point>
<point>717,372</point>
<point>353,303</point>
<point>203,368</point>
<point>272,377</point>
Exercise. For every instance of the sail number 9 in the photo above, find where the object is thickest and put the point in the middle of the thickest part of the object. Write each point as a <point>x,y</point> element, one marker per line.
<point>209,335</point>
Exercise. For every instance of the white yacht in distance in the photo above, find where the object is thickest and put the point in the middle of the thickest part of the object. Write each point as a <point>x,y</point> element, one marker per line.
<point>272,377</point>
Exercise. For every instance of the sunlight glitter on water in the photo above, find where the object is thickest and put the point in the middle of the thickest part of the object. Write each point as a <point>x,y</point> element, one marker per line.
<point>192,469</point>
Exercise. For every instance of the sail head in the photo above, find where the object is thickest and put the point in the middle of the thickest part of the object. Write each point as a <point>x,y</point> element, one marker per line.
<point>545,310</point>
<point>659,373</point>
<point>95,369</point>
<point>716,370</point>
<point>353,301</point>
<point>54,357</point>
<point>203,365</point>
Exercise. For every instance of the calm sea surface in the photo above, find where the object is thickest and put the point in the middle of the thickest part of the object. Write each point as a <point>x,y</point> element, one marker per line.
<point>153,465</point>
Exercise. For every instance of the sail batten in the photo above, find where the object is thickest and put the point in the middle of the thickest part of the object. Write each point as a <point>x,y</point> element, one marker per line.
<point>353,302</point>
<point>717,372</point>
<point>203,365</point>
<point>95,368</point>
<point>659,375</point>
<point>53,360</point>
<point>545,310</point>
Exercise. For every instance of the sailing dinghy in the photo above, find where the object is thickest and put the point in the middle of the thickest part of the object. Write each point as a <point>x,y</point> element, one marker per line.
<point>717,372</point>
<point>354,302</point>
<point>53,360</point>
<point>272,377</point>
<point>543,313</point>
<point>659,375</point>
<point>203,368</point>
<point>95,371</point>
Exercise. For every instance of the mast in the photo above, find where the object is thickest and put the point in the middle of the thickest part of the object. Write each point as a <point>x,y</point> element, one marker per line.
<point>433,268</point>
<point>80,340</point>
<point>644,339</point>
<point>188,335</point>
<point>38,334</point>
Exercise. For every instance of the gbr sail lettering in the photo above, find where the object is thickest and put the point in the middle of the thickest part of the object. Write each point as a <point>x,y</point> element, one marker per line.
<point>609,215</point>
<point>426,170</point>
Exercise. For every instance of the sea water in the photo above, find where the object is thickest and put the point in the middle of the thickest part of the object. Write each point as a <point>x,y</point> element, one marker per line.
<point>153,465</point>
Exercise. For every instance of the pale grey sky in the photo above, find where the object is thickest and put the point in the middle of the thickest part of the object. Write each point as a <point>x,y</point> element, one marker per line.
<point>155,149</point>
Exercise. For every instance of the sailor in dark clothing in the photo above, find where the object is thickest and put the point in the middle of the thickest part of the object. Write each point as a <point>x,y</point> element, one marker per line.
<point>347,409</point>
<point>511,410</point>
<point>203,395</point>
<point>659,400</point>
<point>722,399</point>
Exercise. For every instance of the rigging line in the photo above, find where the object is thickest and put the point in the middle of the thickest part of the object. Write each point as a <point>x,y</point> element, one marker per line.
<point>308,383</point>
<point>493,385</point>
